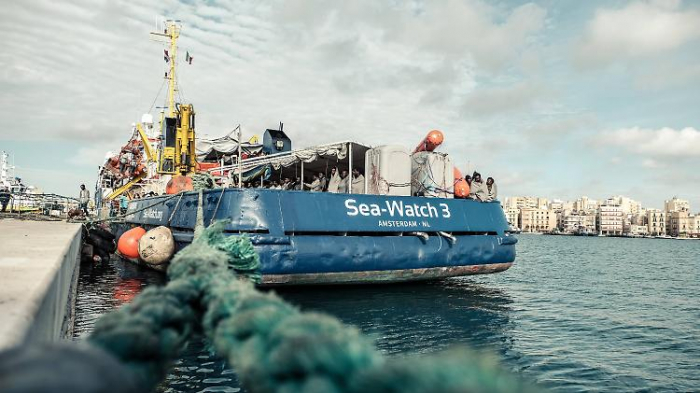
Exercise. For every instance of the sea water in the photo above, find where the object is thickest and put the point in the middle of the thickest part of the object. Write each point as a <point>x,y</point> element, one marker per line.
<point>572,314</point>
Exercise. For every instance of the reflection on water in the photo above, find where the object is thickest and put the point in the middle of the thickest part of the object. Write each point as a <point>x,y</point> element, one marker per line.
<point>416,318</point>
<point>573,314</point>
<point>106,286</point>
<point>408,318</point>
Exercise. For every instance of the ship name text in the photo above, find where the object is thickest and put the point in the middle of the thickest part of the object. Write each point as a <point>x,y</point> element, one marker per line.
<point>397,209</point>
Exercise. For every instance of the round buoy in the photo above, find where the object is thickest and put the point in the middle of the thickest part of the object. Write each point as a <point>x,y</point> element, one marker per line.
<point>434,139</point>
<point>430,142</point>
<point>179,183</point>
<point>157,246</point>
<point>128,244</point>
<point>461,189</point>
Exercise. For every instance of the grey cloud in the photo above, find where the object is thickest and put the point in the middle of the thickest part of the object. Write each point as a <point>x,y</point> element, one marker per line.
<point>639,30</point>
<point>500,100</point>
<point>561,125</point>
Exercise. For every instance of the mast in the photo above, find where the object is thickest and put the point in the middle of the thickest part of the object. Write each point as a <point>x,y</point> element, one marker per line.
<point>171,34</point>
<point>3,170</point>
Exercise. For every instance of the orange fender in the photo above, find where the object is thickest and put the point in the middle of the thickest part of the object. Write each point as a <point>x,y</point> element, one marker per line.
<point>430,142</point>
<point>461,187</point>
<point>128,244</point>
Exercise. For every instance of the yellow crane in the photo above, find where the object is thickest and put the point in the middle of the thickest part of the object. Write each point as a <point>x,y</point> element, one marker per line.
<point>177,155</point>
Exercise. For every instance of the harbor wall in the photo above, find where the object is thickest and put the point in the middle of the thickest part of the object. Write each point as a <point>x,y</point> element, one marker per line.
<point>39,265</point>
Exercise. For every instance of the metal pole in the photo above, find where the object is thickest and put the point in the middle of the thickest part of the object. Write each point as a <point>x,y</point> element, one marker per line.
<point>349,188</point>
<point>240,155</point>
<point>302,176</point>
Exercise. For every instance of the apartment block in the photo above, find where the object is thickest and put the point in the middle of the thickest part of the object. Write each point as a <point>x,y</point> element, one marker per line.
<point>610,218</point>
<point>656,222</point>
<point>537,220</point>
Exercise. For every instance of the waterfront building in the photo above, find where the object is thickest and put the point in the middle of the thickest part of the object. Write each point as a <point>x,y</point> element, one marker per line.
<point>656,222</point>
<point>524,202</point>
<point>610,218</point>
<point>556,205</point>
<point>579,223</point>
<point>628,205</point>
<point>585,204</point>
<point>637,230</point>
<point>513,216</point>
<point>679,223</point>
<point>537,220</point>
<point>694,224</point>
<point>676,205</point>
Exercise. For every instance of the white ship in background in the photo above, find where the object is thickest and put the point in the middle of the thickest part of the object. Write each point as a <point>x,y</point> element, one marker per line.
<point>8,179</point>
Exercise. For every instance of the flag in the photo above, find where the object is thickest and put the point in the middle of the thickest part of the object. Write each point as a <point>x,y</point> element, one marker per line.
<point>188,58</point>
<point>166,57</point>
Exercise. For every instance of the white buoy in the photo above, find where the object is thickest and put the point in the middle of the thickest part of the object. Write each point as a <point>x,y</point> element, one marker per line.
<point>157,246</point>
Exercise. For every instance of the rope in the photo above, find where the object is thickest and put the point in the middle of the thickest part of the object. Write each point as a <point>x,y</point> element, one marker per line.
<point>175,209</point>
<point>216,209</point>
<point>122,216</point>
<point>273,346</point>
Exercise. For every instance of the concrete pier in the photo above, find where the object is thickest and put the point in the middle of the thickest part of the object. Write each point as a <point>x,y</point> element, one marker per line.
<point>39,264</point>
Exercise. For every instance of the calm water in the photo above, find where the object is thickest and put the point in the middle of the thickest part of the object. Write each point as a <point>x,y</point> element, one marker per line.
<point>573,314</point>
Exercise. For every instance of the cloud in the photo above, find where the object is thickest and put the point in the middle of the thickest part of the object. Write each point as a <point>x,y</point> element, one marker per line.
<point>651,164</point>
<point>559,125</point>
<point>667,74</point>
<point>661,143</point>
<point>497,100</point>
<point>446,29</point>
<point>638,30</point>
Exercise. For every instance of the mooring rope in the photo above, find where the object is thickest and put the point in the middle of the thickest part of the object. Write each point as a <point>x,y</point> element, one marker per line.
<point>272,345</point>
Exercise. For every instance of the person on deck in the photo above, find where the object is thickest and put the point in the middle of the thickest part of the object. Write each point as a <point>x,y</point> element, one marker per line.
<point>315,185</point>
<point>358,182</point>
<point>84,199</point>
<point>5,196</point>
<point>324,181</point>
<point>123,204</point>
<point>334,181</point>
<point>478,189</point>
<point>343,183</point>
<point>491,190</point>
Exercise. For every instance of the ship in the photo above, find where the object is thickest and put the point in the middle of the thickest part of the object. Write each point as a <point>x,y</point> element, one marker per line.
<point>392,214</point>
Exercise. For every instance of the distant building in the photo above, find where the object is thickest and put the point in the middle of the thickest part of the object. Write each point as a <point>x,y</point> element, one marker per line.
<point>637,230</point>
<point>656,222</point>
<point>628,205</point>
<point>537,220</point>
<point>513,216</point>
<point>679,223</point>
<point>676,205</point>
<point>579,223</point>
<point>522,202</point>
<point>610,218</point>
<point>584,204</point>
<point>694,224</point>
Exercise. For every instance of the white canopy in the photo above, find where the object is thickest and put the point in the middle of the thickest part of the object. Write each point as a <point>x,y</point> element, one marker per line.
<point>227,145</point>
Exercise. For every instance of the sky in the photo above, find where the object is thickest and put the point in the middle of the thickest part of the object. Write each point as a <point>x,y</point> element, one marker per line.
<point>553,99</point>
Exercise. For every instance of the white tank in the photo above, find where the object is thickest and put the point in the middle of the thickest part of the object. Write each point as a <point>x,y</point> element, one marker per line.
<point>388,170</point>
<point>432,175</point>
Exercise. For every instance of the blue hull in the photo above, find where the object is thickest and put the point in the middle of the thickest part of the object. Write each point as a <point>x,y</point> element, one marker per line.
<point>322,238</point>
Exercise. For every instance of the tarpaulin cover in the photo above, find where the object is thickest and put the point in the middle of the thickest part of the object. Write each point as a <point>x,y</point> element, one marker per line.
<point>210,149</point>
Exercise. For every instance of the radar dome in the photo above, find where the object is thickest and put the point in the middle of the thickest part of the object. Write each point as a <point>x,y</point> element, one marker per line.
<point>147,119</point>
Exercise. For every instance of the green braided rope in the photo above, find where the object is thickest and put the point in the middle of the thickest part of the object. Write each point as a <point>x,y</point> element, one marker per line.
<point>273,346</point>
